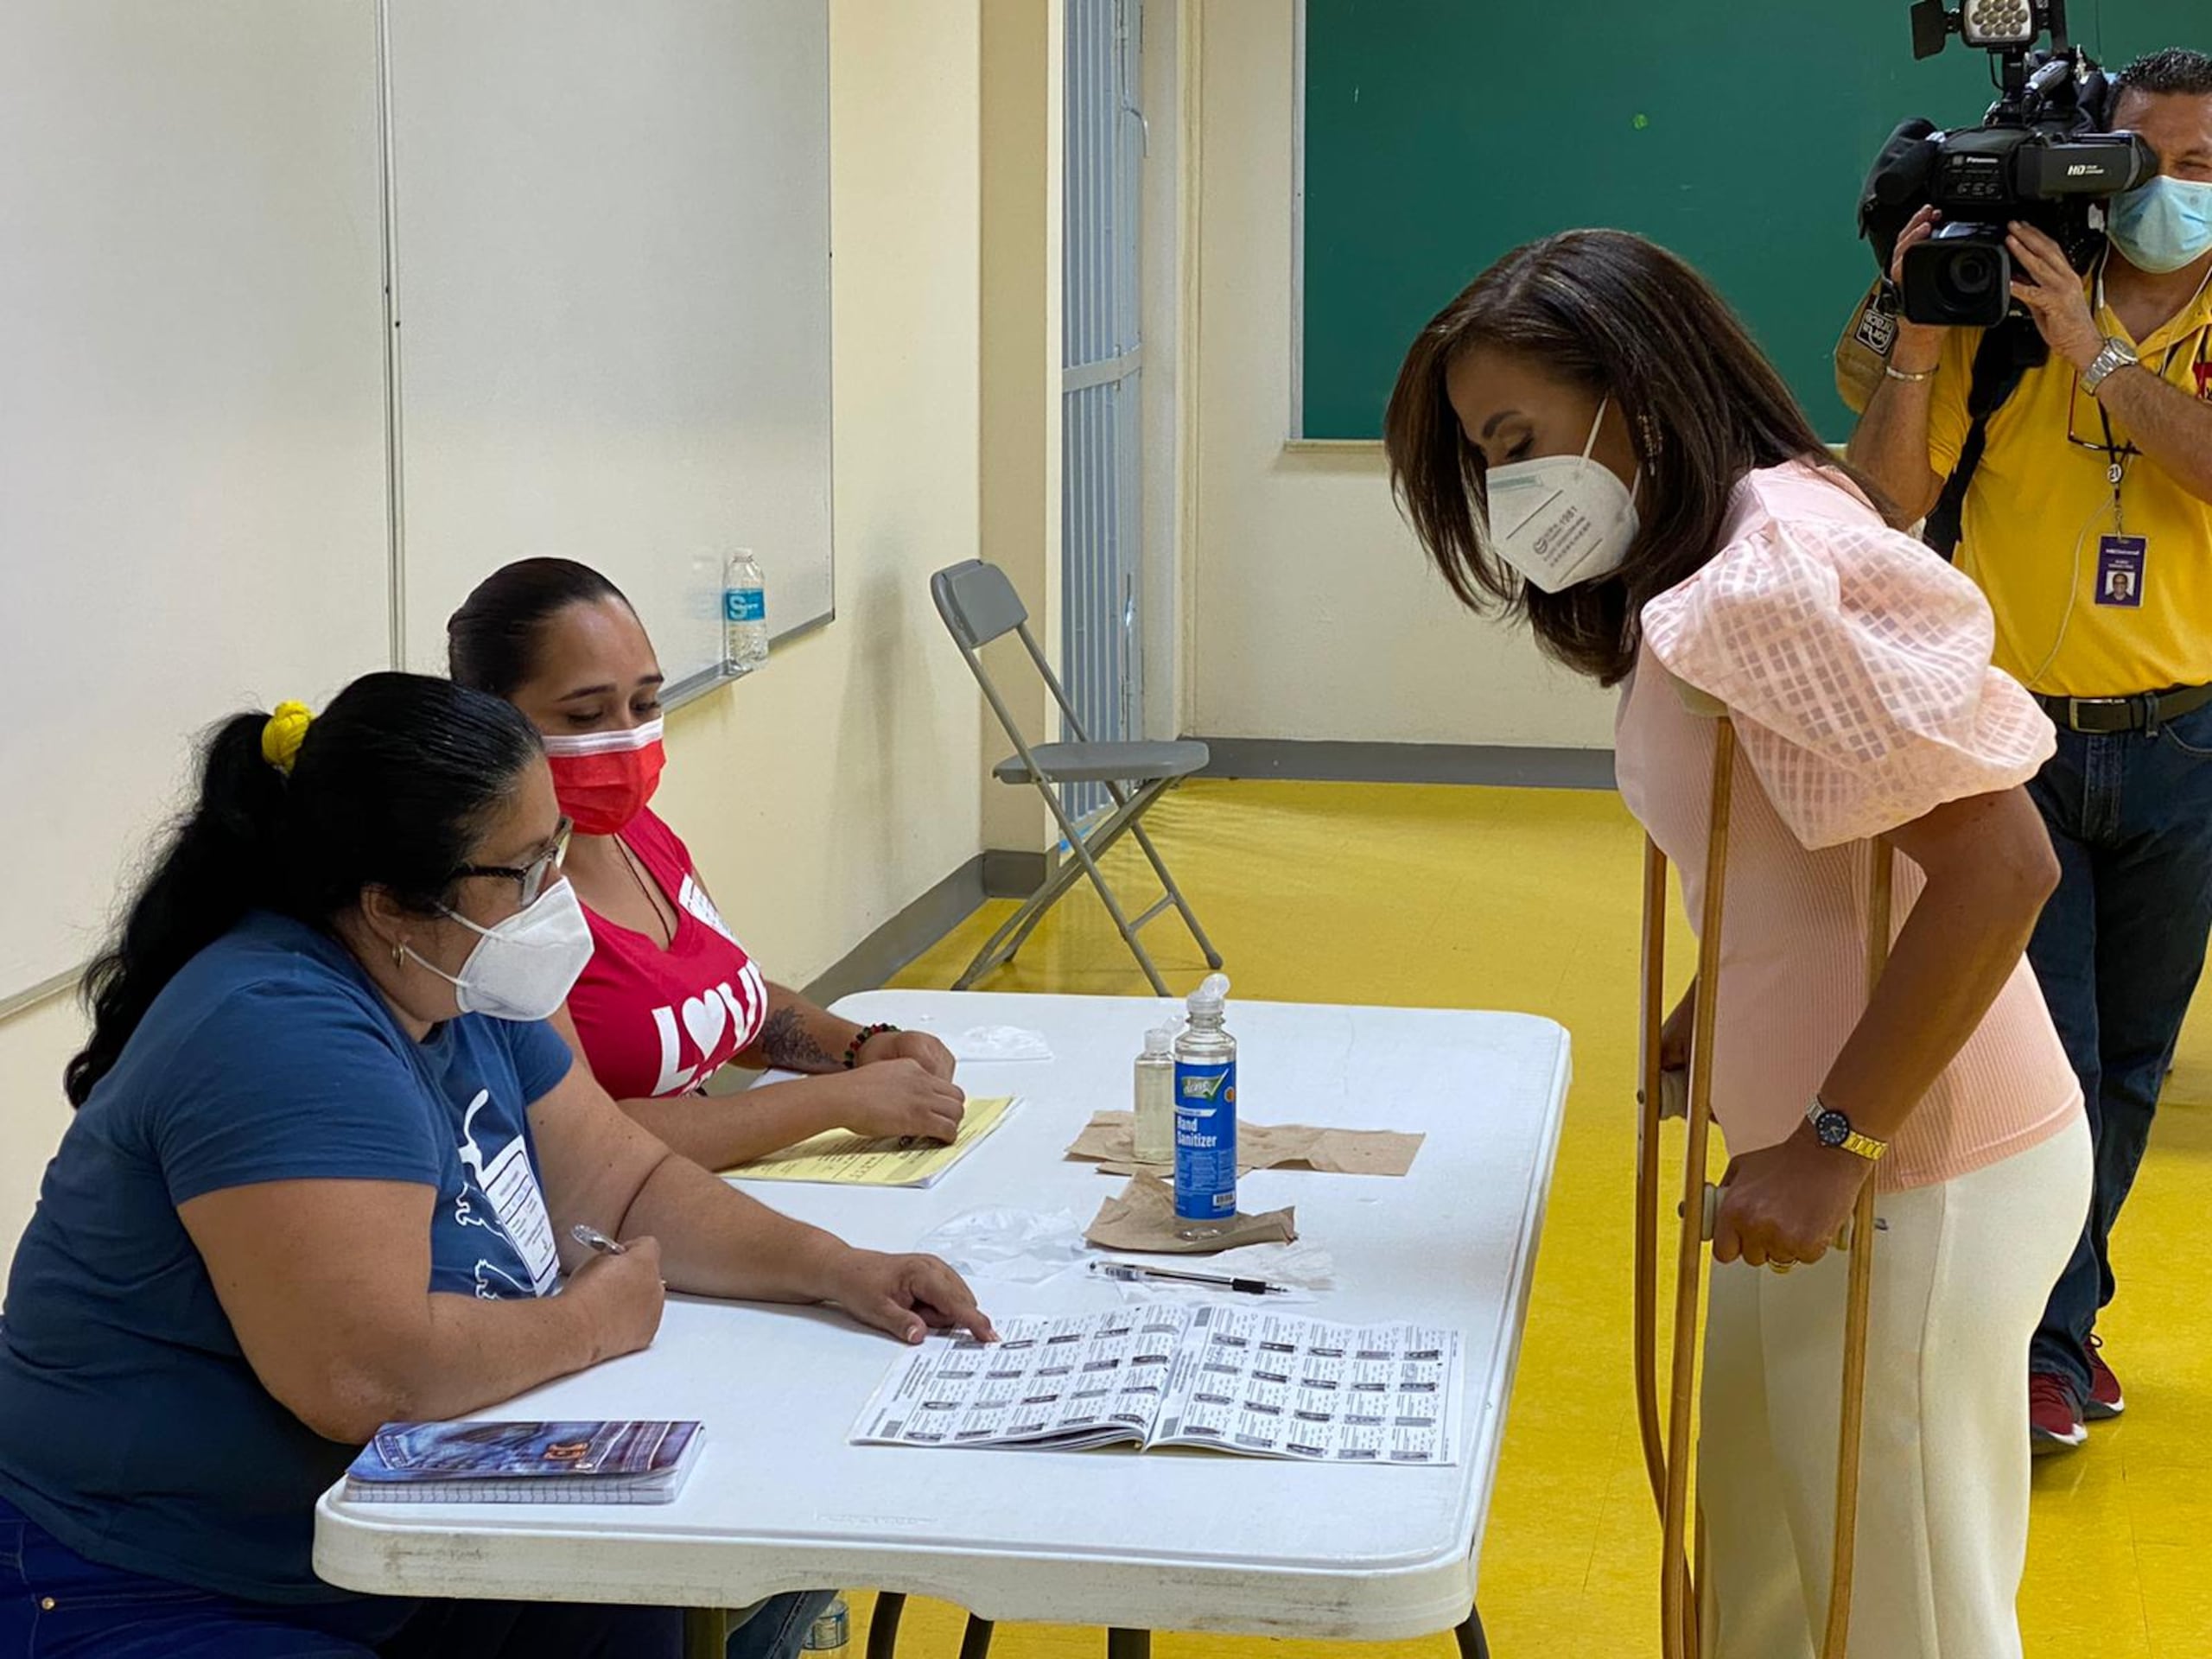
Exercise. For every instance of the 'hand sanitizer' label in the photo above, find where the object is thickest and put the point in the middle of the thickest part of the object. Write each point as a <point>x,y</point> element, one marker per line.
<point>1205,1142</point>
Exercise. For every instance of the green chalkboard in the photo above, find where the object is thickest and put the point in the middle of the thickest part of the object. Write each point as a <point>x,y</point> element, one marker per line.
<point>1439,133</point>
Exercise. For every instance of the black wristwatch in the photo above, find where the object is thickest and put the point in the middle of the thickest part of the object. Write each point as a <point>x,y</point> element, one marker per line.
<point>1833,1130</point>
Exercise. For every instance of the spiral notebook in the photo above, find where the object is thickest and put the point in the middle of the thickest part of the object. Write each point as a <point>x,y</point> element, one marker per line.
<point>614,1462</point>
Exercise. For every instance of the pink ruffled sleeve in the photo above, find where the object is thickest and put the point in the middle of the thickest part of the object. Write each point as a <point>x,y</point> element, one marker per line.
<point>1857,666</point>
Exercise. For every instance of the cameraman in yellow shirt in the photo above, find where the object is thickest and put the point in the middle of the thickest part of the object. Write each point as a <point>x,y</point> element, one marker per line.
<point>2088,524</point>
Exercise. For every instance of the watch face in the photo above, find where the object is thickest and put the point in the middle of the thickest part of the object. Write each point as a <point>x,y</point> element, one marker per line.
<point>1833,1129</point>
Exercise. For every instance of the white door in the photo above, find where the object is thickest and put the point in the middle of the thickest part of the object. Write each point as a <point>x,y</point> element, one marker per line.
<point>1102,494</point>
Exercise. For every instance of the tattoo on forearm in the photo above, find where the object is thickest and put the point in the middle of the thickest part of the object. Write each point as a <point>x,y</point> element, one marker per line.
<point>787,1043</point>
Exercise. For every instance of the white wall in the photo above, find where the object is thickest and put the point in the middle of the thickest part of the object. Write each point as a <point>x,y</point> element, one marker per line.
<point>1311,613</point>
<point>831,789</point>
<point>34,1046</point>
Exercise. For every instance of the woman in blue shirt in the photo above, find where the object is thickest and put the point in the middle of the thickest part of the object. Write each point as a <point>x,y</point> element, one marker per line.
<point>322,1176</point>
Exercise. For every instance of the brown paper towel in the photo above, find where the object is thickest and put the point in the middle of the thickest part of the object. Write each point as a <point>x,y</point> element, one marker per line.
<point>1141,1216</point>
<point>1109,1140</point>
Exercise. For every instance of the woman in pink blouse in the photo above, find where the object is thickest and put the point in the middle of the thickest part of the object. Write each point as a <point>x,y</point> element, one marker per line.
<point>1587,439</point>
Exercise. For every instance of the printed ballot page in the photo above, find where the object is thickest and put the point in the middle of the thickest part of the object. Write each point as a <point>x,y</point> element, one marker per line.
<point>1084,1380</point>
<point>1267,1386</point>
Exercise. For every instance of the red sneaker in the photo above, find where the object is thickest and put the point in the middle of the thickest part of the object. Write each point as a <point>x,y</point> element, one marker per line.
<point>2054,1415</point>
<point>2105,1401</point>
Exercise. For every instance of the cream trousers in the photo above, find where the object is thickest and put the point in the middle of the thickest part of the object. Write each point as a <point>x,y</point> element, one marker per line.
<point>1962,1271</point>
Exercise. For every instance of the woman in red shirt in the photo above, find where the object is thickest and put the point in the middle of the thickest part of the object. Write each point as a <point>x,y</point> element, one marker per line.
<point>671,996</point>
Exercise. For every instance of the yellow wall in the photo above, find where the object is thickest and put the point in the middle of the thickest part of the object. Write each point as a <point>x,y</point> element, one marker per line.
<point>832,790</point>
<point>1020,458</point>
<point>1312,613</point>
<point>829,791</point>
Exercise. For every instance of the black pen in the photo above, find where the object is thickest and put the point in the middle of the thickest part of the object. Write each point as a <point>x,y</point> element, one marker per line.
<point>1133,1271</point>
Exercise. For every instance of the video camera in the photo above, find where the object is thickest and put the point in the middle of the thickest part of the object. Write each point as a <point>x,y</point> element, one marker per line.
<point>2042,154</point>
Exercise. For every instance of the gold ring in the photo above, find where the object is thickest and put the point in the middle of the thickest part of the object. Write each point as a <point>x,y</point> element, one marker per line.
<point>1781,1267</point>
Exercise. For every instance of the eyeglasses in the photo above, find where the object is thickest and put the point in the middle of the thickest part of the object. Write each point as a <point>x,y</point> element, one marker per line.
<point>2119,454</point>
<point>2116,453</point>
<point>532,877</point>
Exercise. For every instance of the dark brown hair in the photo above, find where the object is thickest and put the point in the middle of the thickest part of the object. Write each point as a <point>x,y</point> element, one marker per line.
<point>492,641</point>
<point>1628,321</point>
<point>2177,72</point>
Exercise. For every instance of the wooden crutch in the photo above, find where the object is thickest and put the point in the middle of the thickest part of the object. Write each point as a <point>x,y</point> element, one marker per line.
<point>1667,1452</point>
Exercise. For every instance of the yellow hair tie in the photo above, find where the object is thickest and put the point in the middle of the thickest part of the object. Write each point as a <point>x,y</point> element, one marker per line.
<point>282,737</point>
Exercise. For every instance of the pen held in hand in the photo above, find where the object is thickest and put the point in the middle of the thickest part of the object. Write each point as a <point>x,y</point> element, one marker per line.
<point>584,1233</point>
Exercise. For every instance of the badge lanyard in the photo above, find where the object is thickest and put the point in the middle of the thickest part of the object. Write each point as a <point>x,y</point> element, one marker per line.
<point>2118,455</point>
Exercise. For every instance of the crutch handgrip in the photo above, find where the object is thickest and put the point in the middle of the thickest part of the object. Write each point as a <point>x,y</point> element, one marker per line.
<point>1703,705</point>
<point>1674,1095</point>
<point>1710,1219</point>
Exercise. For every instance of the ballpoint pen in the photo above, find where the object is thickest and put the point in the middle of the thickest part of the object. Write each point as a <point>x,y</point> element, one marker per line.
<point>584,1233</point>
<point>1133,1271</point>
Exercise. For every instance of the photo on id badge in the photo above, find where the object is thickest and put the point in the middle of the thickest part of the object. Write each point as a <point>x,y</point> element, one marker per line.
<point>2119,571</point>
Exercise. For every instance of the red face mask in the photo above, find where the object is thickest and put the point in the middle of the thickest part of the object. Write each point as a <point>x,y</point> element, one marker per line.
<point>603,779</point>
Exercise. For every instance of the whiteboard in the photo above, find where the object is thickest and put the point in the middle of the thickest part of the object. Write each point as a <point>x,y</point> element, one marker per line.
<point>193,486</point>
<point>611,244</point>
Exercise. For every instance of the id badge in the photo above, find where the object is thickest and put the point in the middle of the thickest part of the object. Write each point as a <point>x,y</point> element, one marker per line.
<point>2119,571</point>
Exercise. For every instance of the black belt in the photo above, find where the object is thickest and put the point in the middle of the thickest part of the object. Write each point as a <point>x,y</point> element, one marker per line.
<point>2107,716</point>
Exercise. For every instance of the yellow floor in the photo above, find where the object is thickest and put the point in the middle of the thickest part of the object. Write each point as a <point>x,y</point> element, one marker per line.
<point>1527,900</point>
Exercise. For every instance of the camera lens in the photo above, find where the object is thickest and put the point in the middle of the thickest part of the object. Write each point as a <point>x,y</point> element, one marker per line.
<point>1971,274</point>
<point>1963,279</point>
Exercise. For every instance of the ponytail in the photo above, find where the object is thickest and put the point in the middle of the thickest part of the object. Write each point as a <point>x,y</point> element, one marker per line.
<point>388,789</point>
<point>220,863</point>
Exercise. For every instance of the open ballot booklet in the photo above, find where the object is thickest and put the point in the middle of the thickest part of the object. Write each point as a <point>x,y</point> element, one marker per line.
<point>1229,1378</point>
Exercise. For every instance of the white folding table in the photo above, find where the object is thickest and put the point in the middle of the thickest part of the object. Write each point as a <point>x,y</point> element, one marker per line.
<point>1178,1542</point>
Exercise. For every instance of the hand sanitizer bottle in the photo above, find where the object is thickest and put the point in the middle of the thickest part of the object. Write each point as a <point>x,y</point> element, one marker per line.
<point>1205,1117</point>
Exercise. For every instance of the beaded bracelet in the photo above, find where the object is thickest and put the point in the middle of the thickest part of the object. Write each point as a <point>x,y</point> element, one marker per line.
<point>865,1036</point>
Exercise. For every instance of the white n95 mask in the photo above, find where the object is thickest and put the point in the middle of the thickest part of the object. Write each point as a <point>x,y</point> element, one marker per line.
<point>524,967</point>
<point>1562,520</point>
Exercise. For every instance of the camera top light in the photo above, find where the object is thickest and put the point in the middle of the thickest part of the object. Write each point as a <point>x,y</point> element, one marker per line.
<point>1997,22</point>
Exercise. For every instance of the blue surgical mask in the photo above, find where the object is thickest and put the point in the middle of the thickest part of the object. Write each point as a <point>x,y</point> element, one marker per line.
<point>2165,225</point>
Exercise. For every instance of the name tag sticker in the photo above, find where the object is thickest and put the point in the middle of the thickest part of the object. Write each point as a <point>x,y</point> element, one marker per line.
<point>2119,571</point>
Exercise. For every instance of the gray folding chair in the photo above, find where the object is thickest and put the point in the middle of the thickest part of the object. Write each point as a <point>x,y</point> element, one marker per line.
<point>979,605</point>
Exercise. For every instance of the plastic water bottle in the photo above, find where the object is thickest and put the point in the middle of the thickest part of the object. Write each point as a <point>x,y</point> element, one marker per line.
<point>1155,1097</point>
<point>1205,1117</point>
<point>745,615</point>
<point>831,1631</point>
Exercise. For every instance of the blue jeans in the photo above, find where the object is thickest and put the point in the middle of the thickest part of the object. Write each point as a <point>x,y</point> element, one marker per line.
<point>2117,952</point>
<point>56,1604</point>
<point>779,1630</point>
